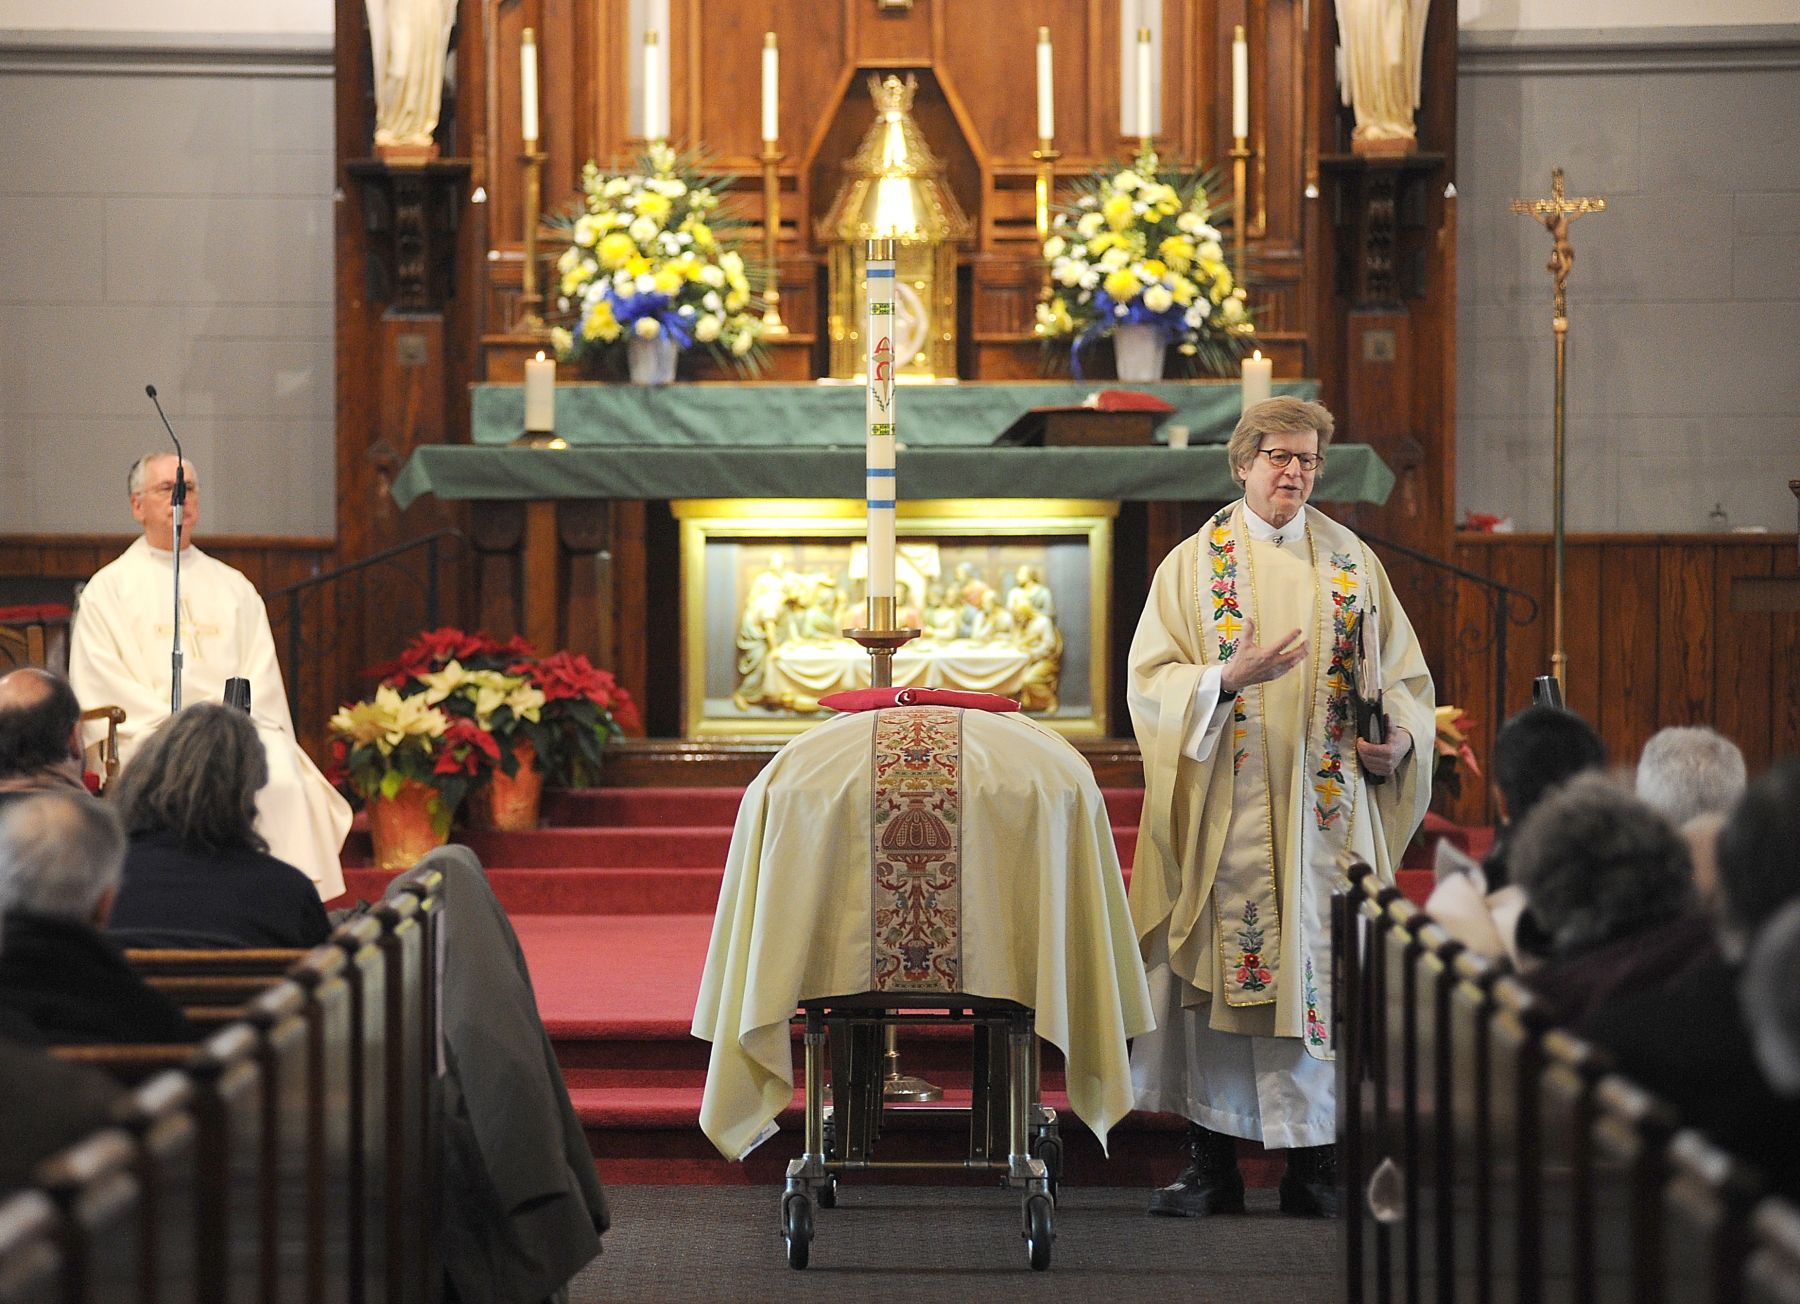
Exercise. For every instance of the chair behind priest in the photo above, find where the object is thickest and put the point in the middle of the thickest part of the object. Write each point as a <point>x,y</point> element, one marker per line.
<point>31,1262</point>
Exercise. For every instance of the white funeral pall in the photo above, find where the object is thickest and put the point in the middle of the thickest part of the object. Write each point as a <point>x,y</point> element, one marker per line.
<point>920,849</point>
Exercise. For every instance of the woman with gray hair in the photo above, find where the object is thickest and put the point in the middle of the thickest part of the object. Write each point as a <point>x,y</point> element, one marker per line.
<point>198,873</point>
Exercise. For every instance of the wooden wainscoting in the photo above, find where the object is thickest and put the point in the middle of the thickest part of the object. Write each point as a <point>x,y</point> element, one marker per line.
<point>1658,632</point>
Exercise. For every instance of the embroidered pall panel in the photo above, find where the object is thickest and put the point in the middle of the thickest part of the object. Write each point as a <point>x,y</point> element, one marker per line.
<point>916,850</point>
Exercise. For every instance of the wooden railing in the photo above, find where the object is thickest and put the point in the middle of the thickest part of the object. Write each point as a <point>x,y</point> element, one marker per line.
<point>1486,1156</point>
<point>295,1154</point>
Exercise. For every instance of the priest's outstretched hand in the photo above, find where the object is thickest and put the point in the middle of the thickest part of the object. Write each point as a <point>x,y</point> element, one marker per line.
<point>1254,664</point>
<point>1384,758</point>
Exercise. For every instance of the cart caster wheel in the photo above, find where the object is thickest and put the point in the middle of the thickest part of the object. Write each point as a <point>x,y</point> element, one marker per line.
<point>1039,1231</point>
<point>1050,1153</point>
<point>797,1227</point>
<point>828,1193</point>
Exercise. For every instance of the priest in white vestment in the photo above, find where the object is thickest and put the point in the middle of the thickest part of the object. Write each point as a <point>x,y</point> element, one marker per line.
<point>120,656</point>
<point>1257,794</point>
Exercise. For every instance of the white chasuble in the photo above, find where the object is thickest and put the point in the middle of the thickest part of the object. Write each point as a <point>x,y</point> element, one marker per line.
<point>1236,850</point>
<point>119,656</point>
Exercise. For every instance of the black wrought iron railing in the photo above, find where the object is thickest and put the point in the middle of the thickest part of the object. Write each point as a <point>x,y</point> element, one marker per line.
<point>1503,605</point>
<point>288,606</point>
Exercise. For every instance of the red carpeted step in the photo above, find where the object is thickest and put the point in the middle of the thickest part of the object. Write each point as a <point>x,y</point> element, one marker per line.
<point>654,807</point>
<point>602,848</point>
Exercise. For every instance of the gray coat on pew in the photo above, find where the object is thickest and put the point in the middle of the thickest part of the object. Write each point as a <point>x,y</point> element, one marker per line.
<point>524,1208</point>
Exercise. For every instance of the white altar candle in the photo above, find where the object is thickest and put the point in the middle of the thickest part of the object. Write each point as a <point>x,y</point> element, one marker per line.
<point>879,293</point>
<point>654,127</point>
<point>771,89</point>
<point>1046,97</point>
<point>1240,84</point>
<point>1145,121</point>
<point>528,105</point>
<point>540,393</point>
<point>1259,379</point>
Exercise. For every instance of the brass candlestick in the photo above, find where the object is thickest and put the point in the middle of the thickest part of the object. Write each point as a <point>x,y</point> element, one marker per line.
<point>1046,156</point>
<point>1240,167</point>
<point>771,160</point>
<point>531,322</point>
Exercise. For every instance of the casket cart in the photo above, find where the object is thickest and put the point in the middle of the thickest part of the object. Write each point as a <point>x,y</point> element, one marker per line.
<point>1011,1133</point>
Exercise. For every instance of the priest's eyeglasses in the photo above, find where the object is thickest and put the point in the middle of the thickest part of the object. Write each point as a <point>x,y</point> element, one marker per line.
<point>1281,457</point>
<point>166,489</point>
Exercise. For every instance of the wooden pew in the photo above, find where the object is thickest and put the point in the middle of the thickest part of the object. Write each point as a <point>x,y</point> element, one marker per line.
<point>425,885</point>
<point>365,971</point>
<point>1706,1222</point>
<point>1346,1036</point>
<point>1516,1025</point>
<point>1773,1273</point>
<point>406,1138</point>
<point>1395,1200</point>
<point>1470,1002</point>
<point>157,1114</point>
<point>1364,1099</point>
<point>1566,1109</point>
<point>329,1104</point>
<point>1432,1204</point>
<point>30,1252</point>
<point>288,1158</point>
<point>101,1206</point>
<point>228,1114</point>
<point>1630,1137</point>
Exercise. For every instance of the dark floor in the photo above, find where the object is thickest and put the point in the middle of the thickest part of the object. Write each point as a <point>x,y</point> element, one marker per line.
<point>944,1245</point>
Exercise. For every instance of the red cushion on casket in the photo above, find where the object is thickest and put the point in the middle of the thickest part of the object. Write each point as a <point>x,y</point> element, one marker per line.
<point>873,699</point>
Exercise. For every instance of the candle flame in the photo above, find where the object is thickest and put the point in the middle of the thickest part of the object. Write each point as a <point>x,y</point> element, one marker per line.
<point>540,356</point>
<point>1257,357</point>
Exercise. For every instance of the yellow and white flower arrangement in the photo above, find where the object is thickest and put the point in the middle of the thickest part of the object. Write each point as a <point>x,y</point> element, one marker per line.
<point>1138,247</point>
<point>650,254</point>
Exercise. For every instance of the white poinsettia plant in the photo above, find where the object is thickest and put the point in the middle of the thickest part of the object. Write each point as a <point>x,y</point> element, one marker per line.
<point>1138,247</point>
<point>650,254</point>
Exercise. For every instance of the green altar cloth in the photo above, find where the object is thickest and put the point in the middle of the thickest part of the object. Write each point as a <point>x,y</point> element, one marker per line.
<point>759,415</point>
<point>1353,473</point>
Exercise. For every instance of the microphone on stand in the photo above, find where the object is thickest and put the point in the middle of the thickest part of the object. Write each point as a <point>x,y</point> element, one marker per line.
<point>177,500</point>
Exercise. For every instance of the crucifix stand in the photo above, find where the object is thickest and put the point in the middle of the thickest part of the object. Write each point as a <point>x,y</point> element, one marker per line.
<point>1555,214</point>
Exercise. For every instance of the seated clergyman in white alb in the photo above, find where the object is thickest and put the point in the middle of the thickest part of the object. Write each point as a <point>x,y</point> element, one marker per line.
<point>120,656</point>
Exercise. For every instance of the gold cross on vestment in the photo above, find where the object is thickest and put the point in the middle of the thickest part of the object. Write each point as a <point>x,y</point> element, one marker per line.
<point>191,631</point>
<point>1555,213</point>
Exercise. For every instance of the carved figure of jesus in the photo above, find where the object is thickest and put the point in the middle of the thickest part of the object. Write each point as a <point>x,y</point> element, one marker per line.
<point>1381,47</point>
<point>410,41</point>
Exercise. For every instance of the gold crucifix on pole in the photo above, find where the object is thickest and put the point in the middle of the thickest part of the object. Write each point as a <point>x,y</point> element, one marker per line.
<point>1555,214</point>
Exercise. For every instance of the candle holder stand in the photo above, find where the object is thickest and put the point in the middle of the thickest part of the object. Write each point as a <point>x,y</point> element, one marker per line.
<point>1240,192</point>
<point>531,297</point>
<point>881,640</point>
<point>771,161</point>
<point>1046,155</point>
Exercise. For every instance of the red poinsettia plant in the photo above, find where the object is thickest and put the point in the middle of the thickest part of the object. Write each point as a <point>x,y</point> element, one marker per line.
<point>377,745</point>
<point>584,709</point>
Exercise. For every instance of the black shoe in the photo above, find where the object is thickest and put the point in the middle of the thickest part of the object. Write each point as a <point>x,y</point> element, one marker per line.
<point>1209,1184</point>
<point>1309,1187</point>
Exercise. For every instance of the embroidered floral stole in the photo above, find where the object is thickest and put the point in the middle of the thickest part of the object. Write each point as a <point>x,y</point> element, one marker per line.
<point>915,831</point>
<point>1246,900</point>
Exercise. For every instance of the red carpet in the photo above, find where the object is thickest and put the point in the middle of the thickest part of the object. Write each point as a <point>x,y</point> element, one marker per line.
<point>613,904</point>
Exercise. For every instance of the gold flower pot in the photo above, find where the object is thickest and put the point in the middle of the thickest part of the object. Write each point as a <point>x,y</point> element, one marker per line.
<point>401,827</point>
<point>510,804</point>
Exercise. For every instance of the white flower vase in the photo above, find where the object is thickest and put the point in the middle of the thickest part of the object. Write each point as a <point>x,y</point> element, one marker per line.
<point>652,361</point>
<point>1139,350</point>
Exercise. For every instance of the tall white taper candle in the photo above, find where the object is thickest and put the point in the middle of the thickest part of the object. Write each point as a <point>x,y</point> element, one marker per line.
<point>654,127</point>
<point>528,105</point>
<point>1046,94</point>
<point>1145,121</point>
<point>771,88</point>
<point>879,294</point>
<point>1240,84</point>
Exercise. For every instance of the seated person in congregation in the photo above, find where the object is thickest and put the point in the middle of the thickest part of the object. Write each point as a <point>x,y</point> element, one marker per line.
<point>1610,898</point>
<point>40,735</point>
<point>1688,1040</point>
<point>1693,777</point>
<point>60,859</point>
<point>197,873</point>
<point>119,654</point>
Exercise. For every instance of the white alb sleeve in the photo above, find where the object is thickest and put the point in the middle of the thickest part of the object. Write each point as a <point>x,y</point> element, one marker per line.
<point>1207,716</point>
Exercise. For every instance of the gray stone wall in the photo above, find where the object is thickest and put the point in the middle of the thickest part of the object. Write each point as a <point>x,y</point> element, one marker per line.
<point>1684,353</point>
<point>166,212</point>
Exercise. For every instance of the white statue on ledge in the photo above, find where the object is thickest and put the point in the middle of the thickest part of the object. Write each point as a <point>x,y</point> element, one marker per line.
<point>410,40</point>
<point>1381,56</point>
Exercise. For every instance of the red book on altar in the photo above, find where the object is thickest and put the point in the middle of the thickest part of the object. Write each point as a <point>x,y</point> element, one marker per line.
<point>1113,418</point>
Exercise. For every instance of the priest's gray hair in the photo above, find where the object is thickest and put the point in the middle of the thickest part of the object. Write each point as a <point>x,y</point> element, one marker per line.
<point>134,478</point>
<point>1282,415</point>
<point>60,853</point>
<point>1690,771</point>
<point>1597,865</point>
<point>197,778</point>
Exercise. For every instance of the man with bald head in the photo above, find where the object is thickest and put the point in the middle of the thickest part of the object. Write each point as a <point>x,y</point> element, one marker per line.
<point>119,656</point>
<point>40,735</point>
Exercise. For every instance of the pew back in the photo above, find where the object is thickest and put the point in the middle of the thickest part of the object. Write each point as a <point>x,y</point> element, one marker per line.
<point>288,1159</point>
<point>158,1115</point>
<point>228,1114</point>
<point>101,1224</point>
<point>30,1258</point>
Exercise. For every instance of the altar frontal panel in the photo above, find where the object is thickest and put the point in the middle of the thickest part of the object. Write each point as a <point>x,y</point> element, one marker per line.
<point>1011,597</point>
